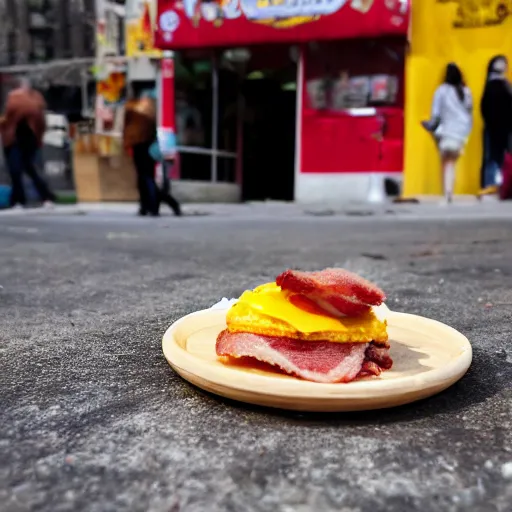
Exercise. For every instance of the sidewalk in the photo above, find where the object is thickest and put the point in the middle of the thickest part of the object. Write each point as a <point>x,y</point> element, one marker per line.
<point>460,209</point>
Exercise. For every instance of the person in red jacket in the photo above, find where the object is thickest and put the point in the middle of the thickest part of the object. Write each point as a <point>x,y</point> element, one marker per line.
<point>22,128</point>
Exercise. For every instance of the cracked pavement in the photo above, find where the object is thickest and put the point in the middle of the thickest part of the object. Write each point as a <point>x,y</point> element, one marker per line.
<point>92,418</point>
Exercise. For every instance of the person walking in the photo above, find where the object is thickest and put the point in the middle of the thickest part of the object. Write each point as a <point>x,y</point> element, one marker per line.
<point>496,110</point>
<point>164,191</point>
<point>452,118</point>
<point>138,135</point>
<point>22,127</point>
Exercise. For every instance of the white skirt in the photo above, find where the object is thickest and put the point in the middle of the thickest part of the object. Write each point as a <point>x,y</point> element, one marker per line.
<point>451,145</point>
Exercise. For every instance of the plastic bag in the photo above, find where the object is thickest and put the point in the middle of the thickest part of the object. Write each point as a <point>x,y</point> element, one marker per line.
<point>155,153</point>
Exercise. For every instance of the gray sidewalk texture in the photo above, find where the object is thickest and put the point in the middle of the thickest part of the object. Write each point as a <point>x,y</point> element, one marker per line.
<point>92,418</point>
<point>431,208</point>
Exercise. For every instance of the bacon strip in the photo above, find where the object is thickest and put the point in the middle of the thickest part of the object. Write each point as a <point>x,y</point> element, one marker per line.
<point>317,361</point>
<point>335,290</point>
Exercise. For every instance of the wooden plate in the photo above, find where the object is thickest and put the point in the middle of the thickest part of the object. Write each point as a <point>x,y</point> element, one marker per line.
<point>428,358</point>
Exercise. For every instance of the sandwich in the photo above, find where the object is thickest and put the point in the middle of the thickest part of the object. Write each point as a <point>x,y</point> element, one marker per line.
<point>328,327</point>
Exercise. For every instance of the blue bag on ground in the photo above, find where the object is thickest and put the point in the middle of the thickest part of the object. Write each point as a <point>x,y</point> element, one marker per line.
<point>5,194</point>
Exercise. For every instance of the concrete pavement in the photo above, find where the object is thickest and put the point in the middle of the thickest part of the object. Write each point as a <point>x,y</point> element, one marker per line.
<point>93,419</point>
<point>431,208</point>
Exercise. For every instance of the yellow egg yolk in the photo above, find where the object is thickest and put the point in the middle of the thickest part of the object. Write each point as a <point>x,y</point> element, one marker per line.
<point>270,300</point>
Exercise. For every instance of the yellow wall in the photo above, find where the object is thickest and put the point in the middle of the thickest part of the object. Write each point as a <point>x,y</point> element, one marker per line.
<point>435,41</point>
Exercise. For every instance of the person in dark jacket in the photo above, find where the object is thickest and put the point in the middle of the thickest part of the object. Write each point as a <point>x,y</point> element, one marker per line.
<point>138,135</point>
<point>496,109</point>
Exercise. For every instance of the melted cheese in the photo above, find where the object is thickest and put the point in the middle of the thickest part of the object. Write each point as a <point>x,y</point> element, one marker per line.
<point>269,300</point>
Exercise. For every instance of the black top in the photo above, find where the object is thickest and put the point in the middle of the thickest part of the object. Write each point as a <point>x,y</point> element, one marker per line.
<point>496,109</point>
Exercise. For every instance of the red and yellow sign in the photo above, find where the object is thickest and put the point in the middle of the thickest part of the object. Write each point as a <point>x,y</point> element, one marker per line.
<point>140,32</point>
<point>112,87</point>
<point>196,24</point>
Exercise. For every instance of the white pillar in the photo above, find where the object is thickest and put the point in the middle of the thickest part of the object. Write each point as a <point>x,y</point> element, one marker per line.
<point>298,120</point>
<point>215,117</point>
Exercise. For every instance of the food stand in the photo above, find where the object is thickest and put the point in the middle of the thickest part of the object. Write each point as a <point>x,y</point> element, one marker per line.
<point>318,88</point>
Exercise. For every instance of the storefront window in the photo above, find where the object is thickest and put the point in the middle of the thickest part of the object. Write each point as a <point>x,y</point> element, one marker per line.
<point>193,101</point>
<point>354,74</point>
<point>189,121</point>
<point>193,104</point>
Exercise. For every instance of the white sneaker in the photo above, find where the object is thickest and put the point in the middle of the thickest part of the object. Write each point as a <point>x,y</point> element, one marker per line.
<point>17,208</point>
<point>49,205</point>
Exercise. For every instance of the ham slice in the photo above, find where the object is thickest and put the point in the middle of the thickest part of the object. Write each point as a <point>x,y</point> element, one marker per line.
<point>335,290</point>
<point>317,361</point>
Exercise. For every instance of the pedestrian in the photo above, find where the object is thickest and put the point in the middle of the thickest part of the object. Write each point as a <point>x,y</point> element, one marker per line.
<point>451,123</point>
<point>496,110</point>
<point>22,127</point>
<point>164,192</point>
<point>138,135</point>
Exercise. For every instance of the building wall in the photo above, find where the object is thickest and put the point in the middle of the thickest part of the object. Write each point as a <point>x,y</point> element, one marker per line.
<point>34,31</point>
<point>444,32</point>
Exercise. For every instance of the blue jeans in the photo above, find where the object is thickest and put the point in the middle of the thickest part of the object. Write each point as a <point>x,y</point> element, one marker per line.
<point>490,172</point>
<point>21,161</point>
<point>493,159</point>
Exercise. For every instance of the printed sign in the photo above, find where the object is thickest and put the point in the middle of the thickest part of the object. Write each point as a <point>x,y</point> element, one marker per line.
<point>480,13</point>
<point>169,21</point>
<point>272,9</point>
<point>167,142</point>
<point>384,88</point>
<point>140,29</point>
<point>196,23</point>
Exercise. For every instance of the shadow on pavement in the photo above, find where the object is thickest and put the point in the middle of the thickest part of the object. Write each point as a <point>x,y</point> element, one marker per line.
<point>479,384</point>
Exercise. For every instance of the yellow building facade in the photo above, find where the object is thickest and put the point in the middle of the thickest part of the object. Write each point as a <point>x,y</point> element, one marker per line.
<point>469,33</point>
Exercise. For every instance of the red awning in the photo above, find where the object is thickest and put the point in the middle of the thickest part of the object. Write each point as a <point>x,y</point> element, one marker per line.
<point>185,24</point>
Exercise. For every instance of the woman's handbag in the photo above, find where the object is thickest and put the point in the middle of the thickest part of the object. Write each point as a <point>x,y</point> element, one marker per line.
<point>431,126</point>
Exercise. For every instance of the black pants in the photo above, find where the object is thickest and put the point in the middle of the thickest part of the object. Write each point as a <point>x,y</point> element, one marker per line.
<point>145,167</point>
<point>165,193</point>
<point>22,159</point>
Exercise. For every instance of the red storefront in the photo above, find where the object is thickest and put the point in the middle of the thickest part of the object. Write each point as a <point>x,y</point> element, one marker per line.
<point>306,97</point>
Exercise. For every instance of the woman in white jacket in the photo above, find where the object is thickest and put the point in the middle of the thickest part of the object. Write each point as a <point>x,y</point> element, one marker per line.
<point>452,115</point>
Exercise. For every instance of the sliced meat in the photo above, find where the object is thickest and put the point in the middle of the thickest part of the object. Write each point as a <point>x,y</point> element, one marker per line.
<point>369,369</point>
<point>317,361</point>
<point>376,360</point>
<point>379,354</point>
<point>335,290</point>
